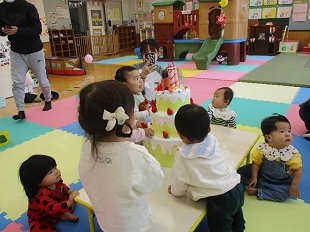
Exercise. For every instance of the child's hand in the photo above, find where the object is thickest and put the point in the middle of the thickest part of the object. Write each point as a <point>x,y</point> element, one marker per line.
<point>148,132</point>
<point>252,182</point>
<point>169,189</point>
<point>146,70</point>
<point>294,191</point>
<point>139,124</point>
<point>72,195</point>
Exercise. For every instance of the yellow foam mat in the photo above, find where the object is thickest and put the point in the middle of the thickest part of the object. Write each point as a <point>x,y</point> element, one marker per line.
<point>267,216</point>
<point>64,147</point>
<point>264,92</point>
<point>190,72</point>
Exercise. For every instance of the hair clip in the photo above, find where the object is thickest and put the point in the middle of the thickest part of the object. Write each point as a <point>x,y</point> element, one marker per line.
<point>118,115</point>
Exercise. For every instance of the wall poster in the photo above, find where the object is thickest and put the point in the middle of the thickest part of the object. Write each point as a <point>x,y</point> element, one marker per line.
<point>255,13</point>
<point>96,18</point>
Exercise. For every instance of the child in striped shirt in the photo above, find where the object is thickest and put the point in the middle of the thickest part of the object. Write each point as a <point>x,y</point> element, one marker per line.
<point>219,111</point>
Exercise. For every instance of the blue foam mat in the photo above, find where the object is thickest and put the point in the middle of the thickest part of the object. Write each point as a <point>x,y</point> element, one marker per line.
<point>252,112</point>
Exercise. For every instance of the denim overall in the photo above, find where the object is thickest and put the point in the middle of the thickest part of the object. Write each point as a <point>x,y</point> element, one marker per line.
<point>273,181</point>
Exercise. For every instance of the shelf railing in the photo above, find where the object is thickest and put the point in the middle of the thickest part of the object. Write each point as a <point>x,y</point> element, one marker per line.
<point>97,46</point>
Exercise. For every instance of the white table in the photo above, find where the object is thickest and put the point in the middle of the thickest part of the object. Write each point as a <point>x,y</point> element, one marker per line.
<point>180,214</point>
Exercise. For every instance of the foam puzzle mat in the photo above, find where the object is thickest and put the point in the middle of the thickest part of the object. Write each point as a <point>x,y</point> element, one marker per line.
<point>58,134</point>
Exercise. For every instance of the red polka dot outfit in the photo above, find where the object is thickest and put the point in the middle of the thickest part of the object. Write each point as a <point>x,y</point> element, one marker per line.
<point>47,207</point>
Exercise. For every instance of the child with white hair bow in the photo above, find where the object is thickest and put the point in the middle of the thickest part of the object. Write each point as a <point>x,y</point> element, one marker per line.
<point>116,174</point>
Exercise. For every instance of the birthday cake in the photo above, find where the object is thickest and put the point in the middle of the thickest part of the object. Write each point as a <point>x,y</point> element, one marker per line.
<point>167,103</point>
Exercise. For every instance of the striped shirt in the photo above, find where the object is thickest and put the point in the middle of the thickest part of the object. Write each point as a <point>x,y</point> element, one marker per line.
<point>223,117</point>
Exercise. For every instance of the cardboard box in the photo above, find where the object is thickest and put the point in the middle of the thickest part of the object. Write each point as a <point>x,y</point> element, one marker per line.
<point>289,46</point>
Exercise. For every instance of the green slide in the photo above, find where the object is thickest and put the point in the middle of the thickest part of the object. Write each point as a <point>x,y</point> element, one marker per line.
<point>206,53</point>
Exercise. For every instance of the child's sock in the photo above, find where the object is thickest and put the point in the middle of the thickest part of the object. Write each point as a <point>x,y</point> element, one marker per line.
<point>20,115</point>
<point>47,106</point>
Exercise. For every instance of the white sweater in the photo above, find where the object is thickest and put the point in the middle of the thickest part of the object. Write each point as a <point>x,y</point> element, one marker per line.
<point>118,184</point>
<point>200,169</point>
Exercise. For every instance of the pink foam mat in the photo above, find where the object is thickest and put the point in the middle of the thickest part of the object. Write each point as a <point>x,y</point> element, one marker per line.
<point>298,126</point>
<point>202,90</point>
<point>192,65</point>
<point>220,75</point>
<point>13,226</point>
<point>62,113</point>
<point>255,62</point>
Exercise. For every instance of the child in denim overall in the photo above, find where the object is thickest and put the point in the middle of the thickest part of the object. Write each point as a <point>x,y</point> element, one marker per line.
<point>275,171</point>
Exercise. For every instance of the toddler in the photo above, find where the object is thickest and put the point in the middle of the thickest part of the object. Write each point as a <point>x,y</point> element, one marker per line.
<point>150,73</point>
<point>131,77</point>
<point>117,175</point>
<point>219,111</point>
<point>275,171</point>
<point>49,199</point>
<point>200,169</point>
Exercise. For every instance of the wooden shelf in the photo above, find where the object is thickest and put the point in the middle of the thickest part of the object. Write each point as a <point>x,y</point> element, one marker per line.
<point>62,43</point>
<point>264,40</point>
<point>126,36</point>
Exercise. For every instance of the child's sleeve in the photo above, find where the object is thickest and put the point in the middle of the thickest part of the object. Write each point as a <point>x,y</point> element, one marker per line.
<point>152,176</point>
<point>232,122</point>
<point>295,163</point>
<point>257,157</point>
<point>51,206</point>
<point>210,113</point>
<point>137,135</point>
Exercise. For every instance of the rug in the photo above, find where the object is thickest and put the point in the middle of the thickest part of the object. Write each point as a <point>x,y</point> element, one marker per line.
<point>285,69</point>
<point>61,137</point>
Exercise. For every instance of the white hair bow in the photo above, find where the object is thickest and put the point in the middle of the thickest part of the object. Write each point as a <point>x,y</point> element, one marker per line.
<point>119,114</point>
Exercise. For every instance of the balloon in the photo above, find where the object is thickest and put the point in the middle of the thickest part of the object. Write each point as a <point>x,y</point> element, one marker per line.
<point>88,58</point>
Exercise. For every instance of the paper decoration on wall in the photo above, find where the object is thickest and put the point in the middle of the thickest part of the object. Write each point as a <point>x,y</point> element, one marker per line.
<point>270,2</point>
<point>256,2</point>
<point>284,12</point>
<point>285,2</point>
<point>44,26</point>
<point>96,17</point>
<point>114,13</point>
<point>300,12</point>
<point>255,13</point>
<point>269,13</point>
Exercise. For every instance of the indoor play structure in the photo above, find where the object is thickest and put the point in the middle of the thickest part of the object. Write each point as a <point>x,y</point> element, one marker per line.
<point>221,26</point>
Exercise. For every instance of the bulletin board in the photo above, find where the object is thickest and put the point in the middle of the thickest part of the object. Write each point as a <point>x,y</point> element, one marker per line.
<point>301,25</point>
<point>114,12</point>
<point>294,13</point>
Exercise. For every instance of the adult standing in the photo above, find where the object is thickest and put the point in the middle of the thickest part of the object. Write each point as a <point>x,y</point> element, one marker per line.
<point>19,20</point>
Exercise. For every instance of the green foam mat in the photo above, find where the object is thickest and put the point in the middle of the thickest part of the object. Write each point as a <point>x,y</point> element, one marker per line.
<point>284,69</point>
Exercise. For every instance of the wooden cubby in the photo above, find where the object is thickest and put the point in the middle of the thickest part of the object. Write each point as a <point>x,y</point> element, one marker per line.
<point>62,43</point>
<point>264,40</point>
<point>126,36</point>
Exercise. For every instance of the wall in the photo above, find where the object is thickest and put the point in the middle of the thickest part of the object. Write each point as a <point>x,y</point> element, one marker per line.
<point>57,13</point>
<point>90,6</point>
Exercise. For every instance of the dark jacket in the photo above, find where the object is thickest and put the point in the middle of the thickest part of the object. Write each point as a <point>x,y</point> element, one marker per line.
<point>25,16</point>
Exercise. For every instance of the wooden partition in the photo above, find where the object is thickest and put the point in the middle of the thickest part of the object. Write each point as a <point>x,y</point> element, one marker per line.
<point>97,46</point>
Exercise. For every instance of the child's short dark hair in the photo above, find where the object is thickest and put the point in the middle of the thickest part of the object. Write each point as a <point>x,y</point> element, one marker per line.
<point>97,97</point>
<point>152,43</point>
<point>33,170</point>
<point>164,74</point>
<point>121,73</point>
<point>228,94</point>
<point>269,124</point>
<point>193,122</point>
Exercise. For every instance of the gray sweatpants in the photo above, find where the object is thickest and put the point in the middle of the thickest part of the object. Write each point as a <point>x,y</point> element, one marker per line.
<point>20,64</point>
